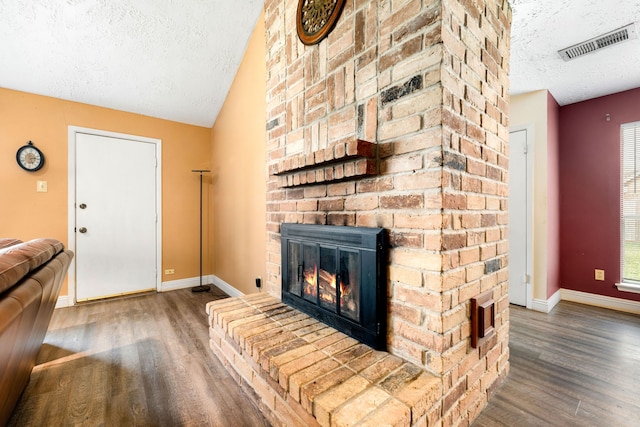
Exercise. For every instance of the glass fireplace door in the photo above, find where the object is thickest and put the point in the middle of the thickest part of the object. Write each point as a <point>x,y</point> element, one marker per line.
<point>294,253</point>
<point>309,269</point>
<point>336,274</point>
<point>349,278</point>
<point>327,279</point>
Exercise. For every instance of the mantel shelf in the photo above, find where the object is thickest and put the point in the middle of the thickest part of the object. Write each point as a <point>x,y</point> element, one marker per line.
<point>339,162</point>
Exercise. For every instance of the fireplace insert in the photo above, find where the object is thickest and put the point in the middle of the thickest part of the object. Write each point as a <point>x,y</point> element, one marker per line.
<point>337,275</point>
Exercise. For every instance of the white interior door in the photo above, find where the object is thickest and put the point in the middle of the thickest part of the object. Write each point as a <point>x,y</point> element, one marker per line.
<point>519,208</point>
<point>115,216</point>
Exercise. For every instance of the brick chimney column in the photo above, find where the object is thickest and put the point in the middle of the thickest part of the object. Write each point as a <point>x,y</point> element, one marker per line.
<point>426,82</point>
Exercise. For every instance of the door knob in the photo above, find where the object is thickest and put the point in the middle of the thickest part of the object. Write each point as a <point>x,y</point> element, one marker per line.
<point>82,230</point>
<point>83,206</point>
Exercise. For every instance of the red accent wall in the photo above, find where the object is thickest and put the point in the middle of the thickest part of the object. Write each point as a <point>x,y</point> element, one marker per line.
<point>553,195</point>
<point>590,191</point>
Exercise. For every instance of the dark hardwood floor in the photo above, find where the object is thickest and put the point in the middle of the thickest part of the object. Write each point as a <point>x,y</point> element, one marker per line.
<point>138,361</point>
<point>576,366</point>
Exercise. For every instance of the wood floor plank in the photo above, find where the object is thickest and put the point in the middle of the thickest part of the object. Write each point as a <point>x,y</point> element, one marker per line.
<point>145,361</point>
<point>576,366</point>
<point>139,361</point>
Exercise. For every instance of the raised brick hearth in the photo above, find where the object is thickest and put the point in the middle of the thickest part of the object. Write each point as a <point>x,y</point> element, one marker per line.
<point>417,92</point>
<point>303,373</point>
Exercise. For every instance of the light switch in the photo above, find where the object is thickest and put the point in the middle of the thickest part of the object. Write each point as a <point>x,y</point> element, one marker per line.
<point>41,187</point>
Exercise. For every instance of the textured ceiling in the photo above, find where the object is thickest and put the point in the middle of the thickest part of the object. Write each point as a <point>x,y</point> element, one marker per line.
<point>542,27</point>
<point>176,59</point>
<point>172,59</point>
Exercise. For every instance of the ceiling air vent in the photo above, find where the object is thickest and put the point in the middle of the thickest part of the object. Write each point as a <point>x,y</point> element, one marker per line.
<point>620,35</point>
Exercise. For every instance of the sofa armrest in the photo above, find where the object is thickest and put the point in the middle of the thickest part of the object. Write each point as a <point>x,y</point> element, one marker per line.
<point>18,260</point>
<point>5,242</point>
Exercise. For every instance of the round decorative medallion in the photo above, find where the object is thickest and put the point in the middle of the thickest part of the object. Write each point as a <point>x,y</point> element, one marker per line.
<point>316,19</point>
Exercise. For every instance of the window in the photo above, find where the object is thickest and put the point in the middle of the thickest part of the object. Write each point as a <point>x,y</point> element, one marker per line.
<point>630,202</point>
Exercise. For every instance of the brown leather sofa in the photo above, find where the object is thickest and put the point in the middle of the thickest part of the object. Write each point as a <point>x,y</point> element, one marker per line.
<point>31,275</point>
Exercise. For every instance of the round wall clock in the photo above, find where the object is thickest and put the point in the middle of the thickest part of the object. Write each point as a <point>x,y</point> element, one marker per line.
<point>29,157</point>
<point>316,18</point>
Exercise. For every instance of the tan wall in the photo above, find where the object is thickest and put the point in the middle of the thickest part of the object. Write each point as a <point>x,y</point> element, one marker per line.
<point>239,173</point>
<point>26,214</point>
<point>530,109</point>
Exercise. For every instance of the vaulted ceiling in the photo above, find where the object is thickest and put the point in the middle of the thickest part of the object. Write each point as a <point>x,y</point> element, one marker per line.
<point>176,60</point>
<point>171,59</point>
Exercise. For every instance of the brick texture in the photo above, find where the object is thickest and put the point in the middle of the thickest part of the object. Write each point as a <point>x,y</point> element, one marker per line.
<point>399,119</point>
<point>307,374</point>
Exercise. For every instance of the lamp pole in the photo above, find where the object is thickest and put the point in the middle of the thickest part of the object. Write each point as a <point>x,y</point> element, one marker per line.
<point>201,288</point>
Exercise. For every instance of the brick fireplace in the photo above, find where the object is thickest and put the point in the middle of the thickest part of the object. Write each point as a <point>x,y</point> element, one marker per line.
<point>399,120</point>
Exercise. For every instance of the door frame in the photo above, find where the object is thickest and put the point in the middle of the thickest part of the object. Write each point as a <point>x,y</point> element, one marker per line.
<point>529,137</point>
<point>71,197</point>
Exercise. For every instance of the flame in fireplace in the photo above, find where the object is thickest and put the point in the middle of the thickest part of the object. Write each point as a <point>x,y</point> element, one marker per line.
<point>311,282</point>
<point>310,277</point>
<point>345,290</point>
<point>327,288</point>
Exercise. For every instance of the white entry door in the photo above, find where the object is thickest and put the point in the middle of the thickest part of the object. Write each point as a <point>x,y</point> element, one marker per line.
<point>519,208</point>
<point>115,216</point>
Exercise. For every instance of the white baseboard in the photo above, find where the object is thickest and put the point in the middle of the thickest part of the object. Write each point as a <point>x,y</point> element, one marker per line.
<point>191,282</point>
<point>546,306</point>
<point>612,303</point>
<point>63,301</point>
<point>172,285</point>
<point>225,287</point>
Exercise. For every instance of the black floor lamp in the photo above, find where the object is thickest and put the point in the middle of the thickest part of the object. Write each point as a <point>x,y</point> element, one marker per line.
<point>201,288</point>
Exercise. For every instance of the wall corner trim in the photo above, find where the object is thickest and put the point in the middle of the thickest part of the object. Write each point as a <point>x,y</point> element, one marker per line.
<point>547,305</point>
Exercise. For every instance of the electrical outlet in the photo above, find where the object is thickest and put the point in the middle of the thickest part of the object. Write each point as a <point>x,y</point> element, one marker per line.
<point>170,271</point>
<point>599,274</point>
<point>258,282</point>
<point>41,187</point>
